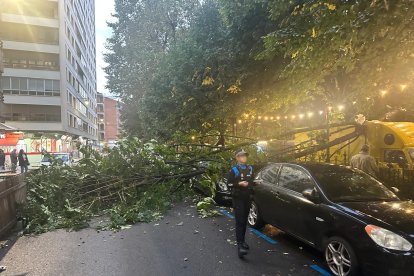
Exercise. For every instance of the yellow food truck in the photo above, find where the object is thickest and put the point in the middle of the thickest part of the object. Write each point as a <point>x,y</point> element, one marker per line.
<point>391,143</point>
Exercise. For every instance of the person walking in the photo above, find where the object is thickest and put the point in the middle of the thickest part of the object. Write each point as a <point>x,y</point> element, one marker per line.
<point>13,160</point>
<point>23,161</point>
<point>2,160</point>
<point>363,161</point>
<point>241,181</point>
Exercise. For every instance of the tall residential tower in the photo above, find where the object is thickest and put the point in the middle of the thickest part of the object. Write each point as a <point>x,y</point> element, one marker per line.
<point>49,80</point>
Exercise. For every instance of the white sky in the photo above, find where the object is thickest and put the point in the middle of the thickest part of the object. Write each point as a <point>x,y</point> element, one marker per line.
<point>103,9</point>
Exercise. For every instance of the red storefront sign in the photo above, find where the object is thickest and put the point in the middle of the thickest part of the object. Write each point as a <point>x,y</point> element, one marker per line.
<point>10,139</point>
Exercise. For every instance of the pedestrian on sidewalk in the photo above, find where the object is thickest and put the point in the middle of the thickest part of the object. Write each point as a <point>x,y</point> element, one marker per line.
<point>363,161</point>
<point>2,160</point>
<point>23,161</point>
<point>13,160</point>
<point>241,181</point>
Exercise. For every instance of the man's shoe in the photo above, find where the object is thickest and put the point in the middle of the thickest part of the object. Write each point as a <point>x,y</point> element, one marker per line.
<point>245,246</point>
<point>241,251</point>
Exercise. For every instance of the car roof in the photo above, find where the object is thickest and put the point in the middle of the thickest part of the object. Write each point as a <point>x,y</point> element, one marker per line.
<point>322,167</point>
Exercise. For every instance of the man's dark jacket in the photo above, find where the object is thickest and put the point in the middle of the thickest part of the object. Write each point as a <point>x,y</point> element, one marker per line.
<point>238,174</point>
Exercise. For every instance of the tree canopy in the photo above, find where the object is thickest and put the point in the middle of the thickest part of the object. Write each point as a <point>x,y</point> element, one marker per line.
<point>202,65</point>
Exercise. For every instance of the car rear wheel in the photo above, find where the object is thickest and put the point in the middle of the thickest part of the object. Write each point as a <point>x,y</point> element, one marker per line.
<point>255,219</point>
<point>340,257</point>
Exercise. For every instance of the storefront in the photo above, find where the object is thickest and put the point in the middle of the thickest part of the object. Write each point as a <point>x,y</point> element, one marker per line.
<point>35,145</point>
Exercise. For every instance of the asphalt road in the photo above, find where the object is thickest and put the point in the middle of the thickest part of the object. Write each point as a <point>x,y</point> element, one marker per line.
<point>180,244</point>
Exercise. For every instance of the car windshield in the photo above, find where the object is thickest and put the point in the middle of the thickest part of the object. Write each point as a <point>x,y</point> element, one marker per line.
<point>347,185</point>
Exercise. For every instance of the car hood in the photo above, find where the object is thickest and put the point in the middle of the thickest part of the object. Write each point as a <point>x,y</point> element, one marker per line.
<point>399,214</point>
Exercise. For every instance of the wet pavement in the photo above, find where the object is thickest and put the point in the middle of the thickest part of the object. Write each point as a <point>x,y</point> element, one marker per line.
<point>180,244</point>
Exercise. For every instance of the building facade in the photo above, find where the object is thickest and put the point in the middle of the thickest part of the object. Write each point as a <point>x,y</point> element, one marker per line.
<point>49,79</point>
<point>112,121</point>
<point>109,120</point>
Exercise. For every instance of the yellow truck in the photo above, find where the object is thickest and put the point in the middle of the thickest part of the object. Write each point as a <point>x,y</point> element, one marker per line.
<point>391,143</point>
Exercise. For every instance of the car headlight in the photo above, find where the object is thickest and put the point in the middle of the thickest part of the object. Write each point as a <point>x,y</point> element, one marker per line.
<point>222,186</point>
<point>387,239</point>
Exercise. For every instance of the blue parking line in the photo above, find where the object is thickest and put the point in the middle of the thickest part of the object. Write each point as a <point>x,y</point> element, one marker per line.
<point>258,233</point>
<point>319,269</point>
<point>263,236</point>
<point>227,214</point>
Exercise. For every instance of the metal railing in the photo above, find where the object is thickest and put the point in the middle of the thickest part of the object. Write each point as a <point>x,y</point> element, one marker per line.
<point>402,179</point>
<point>12,193</point>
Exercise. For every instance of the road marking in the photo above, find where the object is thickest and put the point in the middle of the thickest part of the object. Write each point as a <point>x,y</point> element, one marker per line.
<point>263,236</point>
<point>319,269</point>
<point>258,233</point>
<point>227,214</point>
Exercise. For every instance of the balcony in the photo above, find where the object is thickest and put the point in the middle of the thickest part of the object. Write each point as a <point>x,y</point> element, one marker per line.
<point>29,117</point>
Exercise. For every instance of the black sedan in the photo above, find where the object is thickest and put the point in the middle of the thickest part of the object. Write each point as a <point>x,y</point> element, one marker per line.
<point>361,226</point>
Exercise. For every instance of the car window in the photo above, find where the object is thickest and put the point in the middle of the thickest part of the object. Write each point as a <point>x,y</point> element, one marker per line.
<point>295,179</point>
<point>270,173</point>
<point>63,157</point>
<point>345,185</point>
<point>46,159</point>
<point>395,156</point>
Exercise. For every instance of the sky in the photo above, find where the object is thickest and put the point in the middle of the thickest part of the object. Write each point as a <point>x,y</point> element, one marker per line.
<point>103,10</point>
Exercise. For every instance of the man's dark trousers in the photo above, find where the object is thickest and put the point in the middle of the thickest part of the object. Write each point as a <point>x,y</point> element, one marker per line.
<point>241,211</point>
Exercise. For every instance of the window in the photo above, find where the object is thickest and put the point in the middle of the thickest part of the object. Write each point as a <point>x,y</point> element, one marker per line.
<point>48,85</point>
<point>40,85</point>
<point>270,173</point>
<point>6,83</point>
<point>56,86</point>
<point>23,84</point>
<point>395,156</point>
<point>32,87</point>
<point>295,179</point>
<point>345,185</point>
<point>15,84</point>
<point>32,84</point>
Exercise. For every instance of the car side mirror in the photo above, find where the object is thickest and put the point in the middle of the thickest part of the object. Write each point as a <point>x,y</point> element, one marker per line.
<point>312,195</point>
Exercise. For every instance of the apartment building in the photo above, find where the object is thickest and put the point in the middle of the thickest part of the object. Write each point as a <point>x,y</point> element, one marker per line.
<point>49,80</point>
<point>109,120</point>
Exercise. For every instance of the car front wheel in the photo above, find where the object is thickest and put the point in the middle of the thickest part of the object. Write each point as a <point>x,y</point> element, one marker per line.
<point>255,220</point>
<point>340,257</point>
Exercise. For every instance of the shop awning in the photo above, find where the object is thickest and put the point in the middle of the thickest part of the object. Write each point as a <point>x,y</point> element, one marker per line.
<point>5,127</point>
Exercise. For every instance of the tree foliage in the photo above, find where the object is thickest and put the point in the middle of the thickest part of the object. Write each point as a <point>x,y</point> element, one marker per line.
<point>227,58</point>
<point>134,182</point>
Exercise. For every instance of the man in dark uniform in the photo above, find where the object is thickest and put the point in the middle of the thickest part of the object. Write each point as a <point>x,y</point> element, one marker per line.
<point>241,181</point>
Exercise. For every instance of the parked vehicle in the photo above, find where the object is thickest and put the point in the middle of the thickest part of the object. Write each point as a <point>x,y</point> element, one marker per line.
<point>222,194</point>
<point>63,158</point>
<point>359,224</point>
